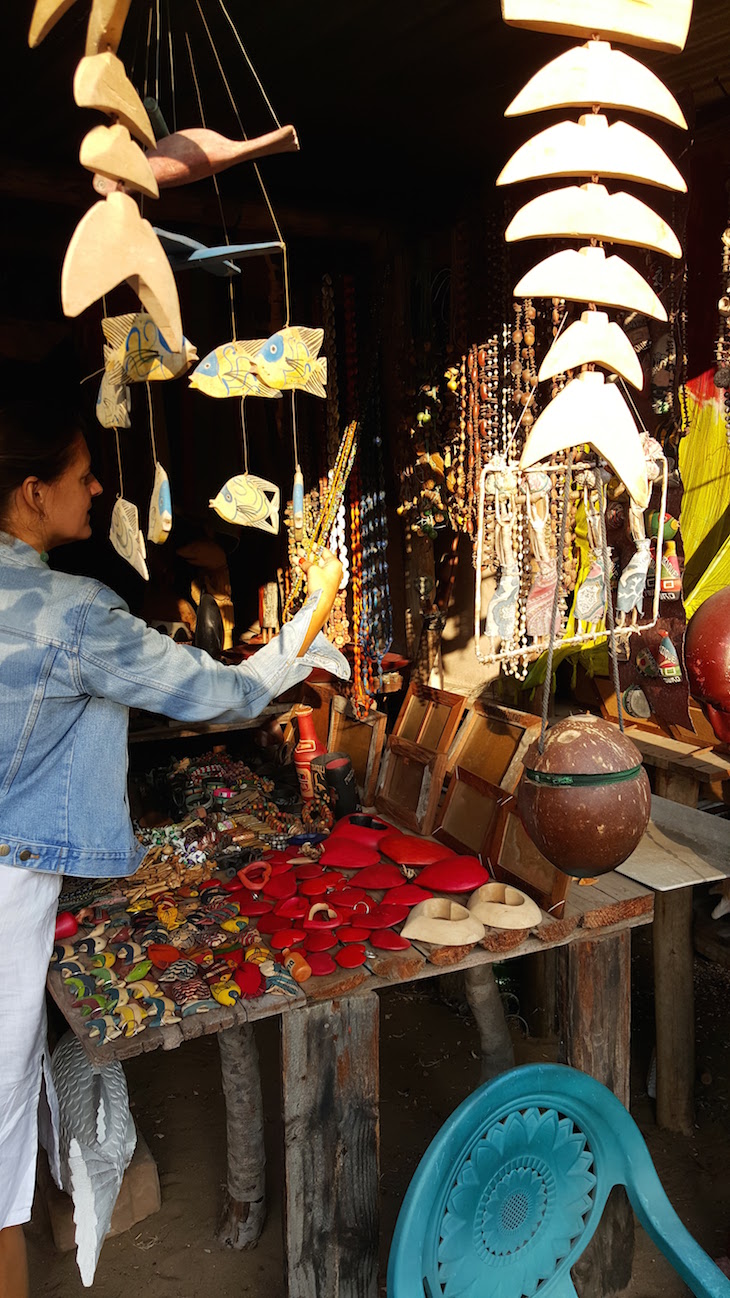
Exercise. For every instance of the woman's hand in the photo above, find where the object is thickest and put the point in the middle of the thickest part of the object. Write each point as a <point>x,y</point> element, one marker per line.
<point>324,574</point>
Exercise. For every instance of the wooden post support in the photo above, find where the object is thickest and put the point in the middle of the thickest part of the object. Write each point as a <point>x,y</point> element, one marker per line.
<point>594,1007</point>
<point>244,1210</point>
<point>485,1003</point>
<point>330,1083</point>
<point>674,984</point>
<point>537,1000</point>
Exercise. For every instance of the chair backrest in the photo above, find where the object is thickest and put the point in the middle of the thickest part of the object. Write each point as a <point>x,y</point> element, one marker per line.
<point>510,1191</point>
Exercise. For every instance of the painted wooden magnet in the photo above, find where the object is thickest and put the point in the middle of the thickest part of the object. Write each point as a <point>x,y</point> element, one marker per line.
<point>230,371</point>
<point>589,409</point>
<point>655,24</point>
<point>590,147</point>
<point>112,243</point>
<point>196,154</point>
<point>595,73</point>
<point>289,360</point>
<point>159,523</point>
<point>588,275</point>
<point>101,82</point>
<point>111,152</point>
<point>136,351</point>
<point>126,537</point>
<point>590,212</point>
<point>593,339</point>
<point>250,502</point>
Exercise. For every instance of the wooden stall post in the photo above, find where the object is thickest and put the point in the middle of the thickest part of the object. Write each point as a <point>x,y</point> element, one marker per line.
<point>244,1209</point>
<point>485,1003</point>
<point>594,1008</point>
<point>330,1081</point>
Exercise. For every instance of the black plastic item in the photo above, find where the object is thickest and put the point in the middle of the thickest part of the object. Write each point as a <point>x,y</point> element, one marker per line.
<point>342,784</point>
<point>209,627</point>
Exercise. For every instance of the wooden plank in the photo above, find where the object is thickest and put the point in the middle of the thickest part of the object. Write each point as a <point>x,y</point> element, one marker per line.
<point>610,900</point>
<point>340,983</point>
<point>395,966</point>
<point>594,1013</point>
<point>674,1011</point>
<point>659,750</point>
<point>681,847</point>
<point>330,1094</point>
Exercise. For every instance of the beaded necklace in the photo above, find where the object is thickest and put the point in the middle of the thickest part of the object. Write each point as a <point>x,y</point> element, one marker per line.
<point>722,346</point>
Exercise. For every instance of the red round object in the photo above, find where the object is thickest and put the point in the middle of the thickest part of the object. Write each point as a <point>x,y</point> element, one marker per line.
<point>249,979</point>
<point>312,871</point>
<point>405,849</point>
<point>386,940</point>
<point>209,883</point>
<point>271,923</point>
<point>233,885</point>
<point>286,937</point>
<point>345,854</point>
<point>386,916</point>
<point>351,957</point>
<point>313,887</point>
<point>162,954</point>
<point>707,655</point>
<point>280,886</point>
<point>334,878</point>
<point>253,906</point>
<point>346,898</point>
<point>66,925</point>
<point>351,933</point>
<point>255,875</point>
<point>320,963</point>
<point>454,874</point>
<point>382,875</point>
<point>322,941</point>
<point>323,920</point>
<point>364,829</point>
<point>279,867</point>
<point>292,907</point>
<point>408,894</point>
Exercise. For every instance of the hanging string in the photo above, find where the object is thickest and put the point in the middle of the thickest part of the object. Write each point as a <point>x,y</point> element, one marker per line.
<point>152,422</point>
<point>119,462</point>
<point>547,684</point>
<point>532,392</point>
<point>251,67</point>
<point>203,123</point>
<point>294,427</point>
<point>609,607</point>
<point>172,66</point>
<point>157,54</point>
<point>244,438</point>
<point>147,56</point>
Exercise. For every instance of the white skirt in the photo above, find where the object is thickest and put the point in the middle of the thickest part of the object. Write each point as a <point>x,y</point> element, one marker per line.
<point>28,903</point>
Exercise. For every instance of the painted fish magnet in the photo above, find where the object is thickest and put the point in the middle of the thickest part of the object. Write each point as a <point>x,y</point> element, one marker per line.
<point>113,404</point>
<point>160,516</point>
<point>250,502</point>
<point>229,371</point>
<point>289,359</point>
<point>137,351</point>
<point>126,537</point>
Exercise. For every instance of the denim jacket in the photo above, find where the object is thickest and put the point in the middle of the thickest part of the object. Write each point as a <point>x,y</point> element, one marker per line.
<point>73,661</point>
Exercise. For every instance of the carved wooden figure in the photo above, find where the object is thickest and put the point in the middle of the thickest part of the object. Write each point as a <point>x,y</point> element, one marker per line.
<point>593,338</point>
<point>106,22</point>
<point>595,73</point>
<point>100,82</point>
<point>656,24</point>
<point>588,275</point>
<point>196,153</point>
<point>590,212</point>
<point>112,243</point>
<point>590,147</point>
<point>111,152</point>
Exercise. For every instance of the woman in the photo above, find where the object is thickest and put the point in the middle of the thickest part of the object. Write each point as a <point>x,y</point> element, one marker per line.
<point>72,662</point>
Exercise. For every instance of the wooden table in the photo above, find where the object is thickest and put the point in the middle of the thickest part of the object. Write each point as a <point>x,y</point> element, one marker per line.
<point>330,1084</point>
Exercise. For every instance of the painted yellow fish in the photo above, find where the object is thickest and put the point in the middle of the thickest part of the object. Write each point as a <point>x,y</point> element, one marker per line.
<point>288,359</point>
<point>229,371</point>
<point>249,501</point>
<point>137,352</point>
<point>113,404</point>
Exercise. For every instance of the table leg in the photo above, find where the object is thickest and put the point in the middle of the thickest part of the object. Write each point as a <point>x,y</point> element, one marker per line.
<point>244,1209</point>
<point>330,1082</point>
<point>674,1010</point>
<point>485,1003</point>
<point>594,1012</point>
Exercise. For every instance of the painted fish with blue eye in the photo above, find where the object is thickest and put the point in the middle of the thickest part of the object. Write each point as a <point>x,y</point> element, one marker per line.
<point>229,371</point>
<point>289,359</point>
<point>159,524</point>
<point>136,351</point>
<point>250,502</point>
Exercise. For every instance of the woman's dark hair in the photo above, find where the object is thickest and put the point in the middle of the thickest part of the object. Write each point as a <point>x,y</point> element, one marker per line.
<point>35,442</point>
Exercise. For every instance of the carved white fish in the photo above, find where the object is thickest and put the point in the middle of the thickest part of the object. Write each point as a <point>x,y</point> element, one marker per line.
<point>159,523</point>
<point>250,502</point>
<point>113,404</point>
<point>126,537</point>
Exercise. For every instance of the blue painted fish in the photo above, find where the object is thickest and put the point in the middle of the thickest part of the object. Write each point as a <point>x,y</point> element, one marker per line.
<point>137,352</point>
<point>159,523</point>
<point>288,359</point>
<point>229,371</point>
<point>126,537</point>
<point>249,501</point>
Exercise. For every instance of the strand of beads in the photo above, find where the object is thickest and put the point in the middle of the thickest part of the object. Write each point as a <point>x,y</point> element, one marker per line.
<point>519,667</point>
<point>722,346</point>
<point>338,626</point>
<point>360,700</point>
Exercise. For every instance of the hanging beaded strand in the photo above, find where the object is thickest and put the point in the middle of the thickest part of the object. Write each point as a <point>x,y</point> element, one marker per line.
<point>338,626</point>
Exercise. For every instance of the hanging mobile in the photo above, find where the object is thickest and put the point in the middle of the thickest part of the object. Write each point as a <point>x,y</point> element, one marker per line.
<point>246,499</point>
<point>159,523</point>
<point>124,532</point>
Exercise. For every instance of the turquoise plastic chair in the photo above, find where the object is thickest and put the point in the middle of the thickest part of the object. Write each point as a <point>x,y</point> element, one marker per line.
<point>511,1190</point>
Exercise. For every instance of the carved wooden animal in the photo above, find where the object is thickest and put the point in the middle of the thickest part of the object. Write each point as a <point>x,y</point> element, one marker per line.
<point>593,338</point>
<point>590,147</point>
<point>656,24</point>
<point>111,151</point>
<point>196,153</point>
<point>104,31</point>
<point>112,243</point>
<point>595,73</point>
<point>588,275</point>
<point>100,82</point>
<point>590,212</point>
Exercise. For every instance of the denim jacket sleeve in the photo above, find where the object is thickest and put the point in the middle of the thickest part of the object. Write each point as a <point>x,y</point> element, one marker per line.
<point>123,659</point>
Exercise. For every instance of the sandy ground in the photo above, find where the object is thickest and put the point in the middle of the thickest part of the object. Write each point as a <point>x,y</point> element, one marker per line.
<point>429,1053</point>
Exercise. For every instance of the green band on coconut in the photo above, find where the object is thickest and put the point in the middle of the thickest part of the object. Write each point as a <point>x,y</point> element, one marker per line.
<point>556,781</point>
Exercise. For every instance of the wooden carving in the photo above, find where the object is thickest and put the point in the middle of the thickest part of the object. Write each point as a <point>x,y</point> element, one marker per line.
<point>595,73</point>
<point>100,82</point>
<point>111,151</point>
<point>591,410</point>
<point>588,275</point>
<point>106,22</point>
<point>112,243</point>
<point>590,212</point>
<point>655,24</point>
<point>590,147</point>
<point>593,338</point>
<point>195,154</point>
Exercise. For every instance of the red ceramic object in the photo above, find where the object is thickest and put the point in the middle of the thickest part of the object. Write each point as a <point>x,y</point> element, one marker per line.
<point>281,886</point>
<point>351,957</point>
<point>320,963</point>
<point>345,854</point>
<point>66,925</point>
<point>454,874</point>
<point>386,940</point>
<point>383,875</point>
<point>292,907</point>
<point>352,933</point>
<point>250,980</point>
<point>287,937</point>
<point>707,655</point>
<point>386,916</point>
<point>313,887</point>
<point>272,923</point>
<point>162,955</point>
<point>405,849</point>
<point>255,875</point>
<point>363,829</point>
<point>255,906</point>
<point>306,750</point>
<point>322,941</point>
<point>346,898</point>
<point>408,894</point>
<point>312,871</point>
<point>234,885</point>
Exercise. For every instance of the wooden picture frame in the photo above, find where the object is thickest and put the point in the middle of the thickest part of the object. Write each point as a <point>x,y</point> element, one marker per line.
<point>411,780</point>
<point>363,742</point>
<point>515,859</point>
<point>429,717</point>
<point>492,743</point>
<point>472,815</point>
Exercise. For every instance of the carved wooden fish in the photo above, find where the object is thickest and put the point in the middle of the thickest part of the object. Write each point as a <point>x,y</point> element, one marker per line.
<point>160,515</point>
<point>113,404</point>
<point>126,537</point>
<point>138,353</point>
<point>288,359</point>
<point>249,501</point>
<point>229,371</point>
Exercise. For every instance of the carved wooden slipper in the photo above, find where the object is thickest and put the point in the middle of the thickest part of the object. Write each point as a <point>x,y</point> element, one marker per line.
<point>500,906</point>
<point>444,923</point>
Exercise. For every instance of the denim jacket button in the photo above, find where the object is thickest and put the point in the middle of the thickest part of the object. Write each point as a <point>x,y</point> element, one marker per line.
<point>4,849</point>
<point>25,855</point>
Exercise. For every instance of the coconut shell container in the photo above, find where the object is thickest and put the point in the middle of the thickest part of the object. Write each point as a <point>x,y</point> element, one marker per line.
<point>585,800</point>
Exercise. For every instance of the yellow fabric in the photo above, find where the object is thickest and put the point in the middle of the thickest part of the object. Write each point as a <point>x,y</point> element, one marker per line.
<point>704,463</point>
